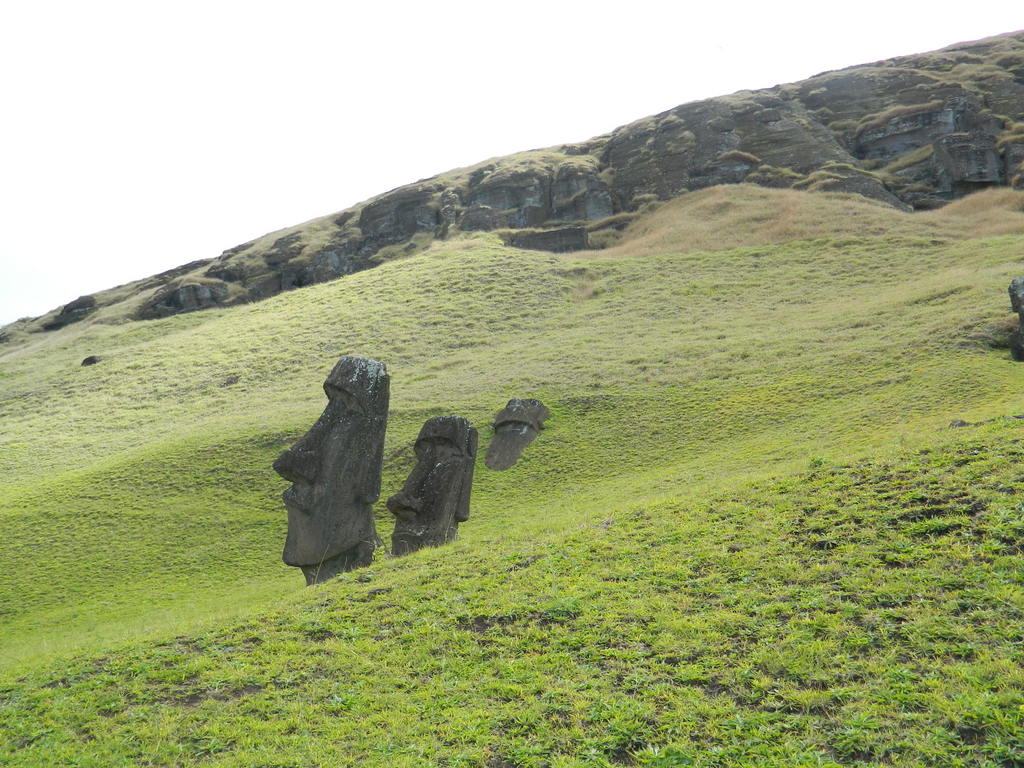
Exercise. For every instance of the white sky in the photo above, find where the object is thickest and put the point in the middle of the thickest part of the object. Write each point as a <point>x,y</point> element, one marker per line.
<point>137,136</point>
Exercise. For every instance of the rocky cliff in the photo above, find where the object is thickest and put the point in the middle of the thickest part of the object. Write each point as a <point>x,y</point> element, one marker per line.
<point>914,132</point>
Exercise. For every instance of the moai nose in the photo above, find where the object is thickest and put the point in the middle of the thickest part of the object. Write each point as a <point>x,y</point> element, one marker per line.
<point>297,465</point>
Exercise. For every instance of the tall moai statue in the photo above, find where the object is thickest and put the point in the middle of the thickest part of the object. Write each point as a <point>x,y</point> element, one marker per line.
<point>435,498</point>
<point>515,427</point>
<point>1017,302</point>
<point>335,471</point>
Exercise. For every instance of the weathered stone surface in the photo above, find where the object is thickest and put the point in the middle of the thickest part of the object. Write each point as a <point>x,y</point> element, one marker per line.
<point>560,240</point>
<point>91,360</point>
<point>72,312</point>
<point>906,129</point>
<point>905,133</point>
<point>184,297</point>
<point>480,218</point>
<point>333,260</point>
<point>511,190</point>
<point>578,195</point>
<point>690,147</point>
<point>284,249</point>
<point>397,216</point>
<point>969,161</point>
<point>167,277</point>
<point>856,184</point>
<point>335,471</point>
<point>512,197</point>
<point>229,273</point>
<point>435,498</point>
<point>515,427</point>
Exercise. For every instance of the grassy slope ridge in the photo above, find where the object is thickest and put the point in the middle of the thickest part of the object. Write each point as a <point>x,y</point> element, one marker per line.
<point>631,548</point>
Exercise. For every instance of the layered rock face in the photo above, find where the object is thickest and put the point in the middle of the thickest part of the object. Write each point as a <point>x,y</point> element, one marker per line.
<point>560,240</point>
<point>72,312</point>
<point>184,297</point>
<point>913,132</point>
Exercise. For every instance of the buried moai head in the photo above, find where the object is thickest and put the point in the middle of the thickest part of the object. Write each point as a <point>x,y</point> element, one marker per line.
<point>335,473</point>
<point>515,427</point>
<point>435,498</point>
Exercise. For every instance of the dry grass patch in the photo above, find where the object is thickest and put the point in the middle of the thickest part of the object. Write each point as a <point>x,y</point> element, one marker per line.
<point>740,215</point>
<point>989,213</point>
<point>724,217</point>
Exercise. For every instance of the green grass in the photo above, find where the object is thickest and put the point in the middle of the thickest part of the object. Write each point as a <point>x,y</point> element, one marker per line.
<point>747,536</point>
<point>867,613</point>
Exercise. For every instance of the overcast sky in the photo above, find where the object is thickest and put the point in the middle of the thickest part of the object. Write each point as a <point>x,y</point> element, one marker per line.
<point>137,136</point>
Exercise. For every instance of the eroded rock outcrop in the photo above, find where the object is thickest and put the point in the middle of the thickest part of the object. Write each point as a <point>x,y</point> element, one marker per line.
<point>556,240</point>
<point>72,312</point>
<point>900,130</point>
<point>969,161</point>
<point>554,188</point>
<point>435,498</point>
<point>184,296</point>
<point>718,141</point>
<point>515,427</point>
<point>335,471</point>
<point>398,215</point>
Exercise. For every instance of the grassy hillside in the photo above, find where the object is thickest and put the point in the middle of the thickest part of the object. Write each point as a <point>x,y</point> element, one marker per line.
<point>747,536</point>
<point>856,614</point>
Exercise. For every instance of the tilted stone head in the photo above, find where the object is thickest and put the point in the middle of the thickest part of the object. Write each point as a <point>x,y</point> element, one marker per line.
<point>335,472</point>
<point>515,427</point>
<point>435,498</point>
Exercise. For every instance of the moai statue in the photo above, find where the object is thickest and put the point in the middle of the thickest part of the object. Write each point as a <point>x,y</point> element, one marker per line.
<point>515,427</point>
<point>1017,302</point>
<point>435,498</point>
<point>335,470</point>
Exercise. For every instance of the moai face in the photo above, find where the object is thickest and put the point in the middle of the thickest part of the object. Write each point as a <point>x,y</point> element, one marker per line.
<point>335,473</point>
<point>435,498</point>
<point>515,427</point>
